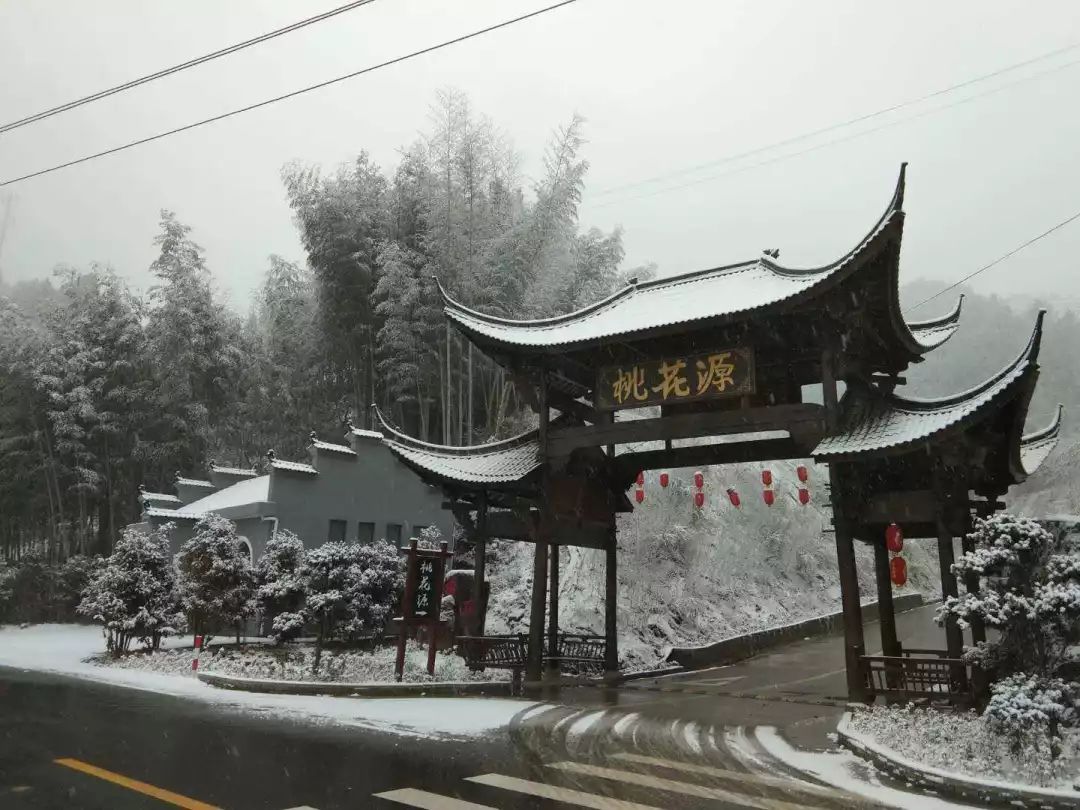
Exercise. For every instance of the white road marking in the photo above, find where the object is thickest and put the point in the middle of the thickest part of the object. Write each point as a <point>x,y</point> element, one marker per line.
<point>429,801</point>
<point>673,786</point>
<point>735,776</point>
<point>559,794</point>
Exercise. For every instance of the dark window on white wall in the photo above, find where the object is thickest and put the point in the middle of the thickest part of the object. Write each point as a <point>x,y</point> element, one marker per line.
<point>365,532</point>
<point>393,532</point>
<point>337,531</point>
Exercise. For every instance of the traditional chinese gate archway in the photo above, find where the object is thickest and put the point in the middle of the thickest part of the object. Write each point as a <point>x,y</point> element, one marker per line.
<point>726,352</point>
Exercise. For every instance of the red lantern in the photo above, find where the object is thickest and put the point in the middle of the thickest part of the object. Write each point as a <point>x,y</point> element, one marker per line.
<point>894,538</point>
<point>663,479</point>
<point>766,477</point>
<point>801,472</point>
<point>450,587</point>
<point>733,496</point>
<point>804,496</point>
<point>898,570</point>
<point>770,498</point>
<point>699,499</point>
<point>699,479</point>
<point>639,495</point>
<point>641,479</point>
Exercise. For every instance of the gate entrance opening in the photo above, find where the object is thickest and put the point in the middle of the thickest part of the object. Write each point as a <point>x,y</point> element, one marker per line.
<point>728,352</point>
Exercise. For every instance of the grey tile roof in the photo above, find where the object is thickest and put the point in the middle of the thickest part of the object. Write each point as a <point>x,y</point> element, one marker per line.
<point>505,462</point>
<point>293,466</point>
<point>329,447</point>
<point>193,482</point>
<point>872,422</point>
<point>698,296</point>
<point>366,434</point>
<point>935,331</point>
<point>172,514</point>
<point>1036,446</point>
<point>160,497</point>
<point>247,472</point>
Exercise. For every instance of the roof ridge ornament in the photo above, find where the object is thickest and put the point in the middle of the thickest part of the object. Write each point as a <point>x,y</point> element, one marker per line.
<point>901,182</point>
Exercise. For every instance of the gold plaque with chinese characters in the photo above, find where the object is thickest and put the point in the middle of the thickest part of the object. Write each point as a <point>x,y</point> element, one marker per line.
<point>722,373</point>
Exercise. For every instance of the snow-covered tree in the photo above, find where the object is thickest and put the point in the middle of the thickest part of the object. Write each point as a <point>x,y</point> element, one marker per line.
<point>1030,594</point>
<point>132,594</point>
<point>352,589</point>
<point>330,573</point>
<point>280,585</point>
<point>215,581</point>
<point>375,593</point>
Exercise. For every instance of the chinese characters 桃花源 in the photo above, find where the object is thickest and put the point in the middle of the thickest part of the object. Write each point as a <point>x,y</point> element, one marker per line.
<point>728,372</point>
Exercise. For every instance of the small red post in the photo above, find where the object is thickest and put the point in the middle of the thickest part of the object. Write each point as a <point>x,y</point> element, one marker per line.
<point>198,649</point>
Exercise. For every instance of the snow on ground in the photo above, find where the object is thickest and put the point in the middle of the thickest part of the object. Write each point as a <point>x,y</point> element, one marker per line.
<point>963,743</point>
<point>64,648</point>
<point>840,769</point>
<point>295,663</point>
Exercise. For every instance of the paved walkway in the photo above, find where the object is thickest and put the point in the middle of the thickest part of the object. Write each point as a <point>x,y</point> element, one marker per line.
<point>800,687</point>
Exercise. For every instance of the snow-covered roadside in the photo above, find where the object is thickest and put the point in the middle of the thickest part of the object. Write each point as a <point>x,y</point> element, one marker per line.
<point>964,744</point>
<point>295,663</point>
<point>62,649</point>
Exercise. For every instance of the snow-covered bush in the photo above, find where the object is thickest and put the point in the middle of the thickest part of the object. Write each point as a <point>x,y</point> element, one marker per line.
<point>280,585</point>
<point>215,581</point>
<point>132,594</point>
<point>1028,709</point>
<point>375,595</point>
<point>351,589</point>
<point>1029,593</point>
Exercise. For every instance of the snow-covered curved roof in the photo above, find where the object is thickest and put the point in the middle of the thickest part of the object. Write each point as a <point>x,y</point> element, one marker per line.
<point>1036,446</point>
<point>699,298</point>
<point>874,422</point>
<point>932,332</point>
<point>509,461</point>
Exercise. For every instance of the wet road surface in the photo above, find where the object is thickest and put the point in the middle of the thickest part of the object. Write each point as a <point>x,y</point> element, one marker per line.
<point>70,743</point>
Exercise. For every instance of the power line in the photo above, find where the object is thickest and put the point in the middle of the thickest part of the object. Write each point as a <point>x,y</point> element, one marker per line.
<point>293,94</point>
<point>840,125</point>
<point>846,138</point>
<point>239,46</point>
<point>999,259</point>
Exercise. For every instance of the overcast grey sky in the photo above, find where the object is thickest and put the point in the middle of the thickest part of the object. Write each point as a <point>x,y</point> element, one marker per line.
<point>664,86</point>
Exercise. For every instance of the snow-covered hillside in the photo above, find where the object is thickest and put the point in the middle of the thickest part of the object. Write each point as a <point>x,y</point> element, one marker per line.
<point>687,577</point>
<point>1055,487</point>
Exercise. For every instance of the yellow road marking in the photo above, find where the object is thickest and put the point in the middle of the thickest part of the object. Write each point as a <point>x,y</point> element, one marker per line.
<point>429,801</point>
<point>673,786</point>
<point>734,776</point>
<point>135,785</point>
<point>559,794</point>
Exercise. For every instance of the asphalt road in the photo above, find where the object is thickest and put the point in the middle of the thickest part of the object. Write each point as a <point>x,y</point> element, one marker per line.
<point>71,743</point>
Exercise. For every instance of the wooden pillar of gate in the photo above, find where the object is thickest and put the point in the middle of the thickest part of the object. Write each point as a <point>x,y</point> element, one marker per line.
<point>480,568</point>
<point>611,589</point>
<point>553,611</point>
<point>534,666</point>
<point>890,644</point>
<point>854,646</point>
<point>954,636</point>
